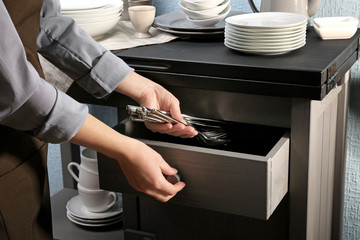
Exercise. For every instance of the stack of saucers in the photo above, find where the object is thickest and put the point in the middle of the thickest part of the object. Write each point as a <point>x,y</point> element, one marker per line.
<point>267,33</point>
<point>205,13</point>
<point>97,17</point>
<point>79,214</point>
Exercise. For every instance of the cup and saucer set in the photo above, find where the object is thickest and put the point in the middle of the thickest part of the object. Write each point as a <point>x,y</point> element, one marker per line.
<point>92,207</point>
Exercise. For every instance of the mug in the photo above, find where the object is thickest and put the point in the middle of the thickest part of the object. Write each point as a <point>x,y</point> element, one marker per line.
<point>97,200</point>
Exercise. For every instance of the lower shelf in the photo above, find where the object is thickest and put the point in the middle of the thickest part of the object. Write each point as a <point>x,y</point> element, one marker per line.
<point>64,229</point>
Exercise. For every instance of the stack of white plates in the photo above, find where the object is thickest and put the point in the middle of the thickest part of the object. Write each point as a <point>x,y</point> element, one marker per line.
<point>267,33</point>
<point>77,213</point>
<point>97,17</point>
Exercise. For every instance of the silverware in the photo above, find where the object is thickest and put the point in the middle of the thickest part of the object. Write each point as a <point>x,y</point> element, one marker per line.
<point>209,134</point>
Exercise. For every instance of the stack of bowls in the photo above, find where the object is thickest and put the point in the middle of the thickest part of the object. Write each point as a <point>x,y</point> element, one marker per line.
<point>96,17</point>
<point>205,13</point>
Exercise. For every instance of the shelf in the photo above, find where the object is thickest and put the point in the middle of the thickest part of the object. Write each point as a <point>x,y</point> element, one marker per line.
<point>64,229</point>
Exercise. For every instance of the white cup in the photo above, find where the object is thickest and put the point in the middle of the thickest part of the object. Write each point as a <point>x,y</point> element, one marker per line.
<point>142,17</point>
<point>88,159</point>
<point>97,200</point>
<point>88,170</point>
<point>87,178</point>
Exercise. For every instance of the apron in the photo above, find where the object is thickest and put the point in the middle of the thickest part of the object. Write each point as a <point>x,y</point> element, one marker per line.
<point>25,211</point>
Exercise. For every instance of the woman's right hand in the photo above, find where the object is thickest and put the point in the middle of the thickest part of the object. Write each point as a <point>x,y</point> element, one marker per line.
<point>143,167</point>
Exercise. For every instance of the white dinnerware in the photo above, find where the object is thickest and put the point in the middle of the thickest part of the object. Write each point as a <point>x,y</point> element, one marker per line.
<point>211,21</point>
<point>87,178</point>
<point>97,200</point>
<point>271,33</point>
<point>71,5</point>
<point>209,12</point>
<point>98,29</point>
<point>88,169</point>
<point>142,17</point>
<point>96,17</point>
<point>336,27</point>
<point>79,214</point>
<point>197,6</point>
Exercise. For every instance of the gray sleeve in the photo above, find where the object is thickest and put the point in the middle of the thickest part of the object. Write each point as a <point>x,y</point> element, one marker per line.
<point>28,102</point>
<point>62,42</point>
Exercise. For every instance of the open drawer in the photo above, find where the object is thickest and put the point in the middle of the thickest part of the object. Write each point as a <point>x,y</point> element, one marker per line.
<point>249,177</point>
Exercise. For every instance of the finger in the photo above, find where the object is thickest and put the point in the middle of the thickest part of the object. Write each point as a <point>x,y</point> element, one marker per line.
<point>159,127</point>
<point>166,168</point>
<point>165,191</point>
<point>176,112</point>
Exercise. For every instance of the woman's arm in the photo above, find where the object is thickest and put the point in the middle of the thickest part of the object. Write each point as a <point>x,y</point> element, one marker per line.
<point>142,166</point>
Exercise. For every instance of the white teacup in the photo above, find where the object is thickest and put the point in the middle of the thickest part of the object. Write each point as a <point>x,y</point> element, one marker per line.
<point>142,17</point>
<point>88,169</point>
<point>87,177</point>
<point>89,159</point>
<point>97,200</point>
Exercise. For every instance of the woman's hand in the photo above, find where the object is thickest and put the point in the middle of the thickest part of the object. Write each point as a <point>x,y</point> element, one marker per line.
<point>143,167</point>
<point>152,95</point>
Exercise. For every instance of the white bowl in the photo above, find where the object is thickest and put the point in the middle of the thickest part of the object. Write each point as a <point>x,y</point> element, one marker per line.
<point>336,27</point>
<point>92,14</point>
<point>329,33</point>
<point>211,21</point>
<point>336,22</point>
<point>83,20</point>
<point>206,2</point>
<point>99,28</point>
<point>113,6</point>
<point>204,14</point>
<point>196,6</point>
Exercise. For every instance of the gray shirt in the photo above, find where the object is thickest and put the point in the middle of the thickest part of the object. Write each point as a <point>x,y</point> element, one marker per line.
<point>28,102</point>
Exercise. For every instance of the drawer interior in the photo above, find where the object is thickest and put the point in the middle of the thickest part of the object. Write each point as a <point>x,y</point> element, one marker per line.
<point>245,138</point>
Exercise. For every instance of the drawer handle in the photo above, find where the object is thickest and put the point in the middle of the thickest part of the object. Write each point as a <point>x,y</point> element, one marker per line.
<point>149,66</point>
<point>173,178</point>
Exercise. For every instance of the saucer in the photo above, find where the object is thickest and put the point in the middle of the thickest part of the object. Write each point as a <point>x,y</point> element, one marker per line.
<point>77,209</point>
<point>92,224</point>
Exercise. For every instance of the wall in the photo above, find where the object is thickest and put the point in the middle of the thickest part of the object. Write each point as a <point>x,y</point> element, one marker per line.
<point>328,8</point>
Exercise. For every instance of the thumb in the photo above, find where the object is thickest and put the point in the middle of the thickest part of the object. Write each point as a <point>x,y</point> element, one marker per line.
<point>166,169</point>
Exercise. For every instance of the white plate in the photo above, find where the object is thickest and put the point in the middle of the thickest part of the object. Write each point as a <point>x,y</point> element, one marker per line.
<point>266,30</point>
<point>92,224</point>
<point>274,20</point>
<point>102,220</point>
<point>263,51</point>
<point>70,5</point>
<point>267,34</point>
<point>112,6</point>
<point>76,208</point>
<point>264,43</point>
<point>274,38</point>
<point>257,46</point>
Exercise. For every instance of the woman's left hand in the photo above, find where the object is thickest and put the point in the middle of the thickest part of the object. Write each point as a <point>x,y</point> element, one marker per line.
<point>152,95</point>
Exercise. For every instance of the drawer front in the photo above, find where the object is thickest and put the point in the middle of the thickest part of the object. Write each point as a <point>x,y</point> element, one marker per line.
<point>237,183</point>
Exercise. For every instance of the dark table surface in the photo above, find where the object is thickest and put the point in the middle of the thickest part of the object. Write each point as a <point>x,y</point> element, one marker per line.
<point>310,72</point>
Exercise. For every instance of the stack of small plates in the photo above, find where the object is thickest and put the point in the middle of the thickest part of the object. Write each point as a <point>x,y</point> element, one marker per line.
<point>97,17</point>
<point>267,33</point>
<point>178,24</point>
<point>77,213</point>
